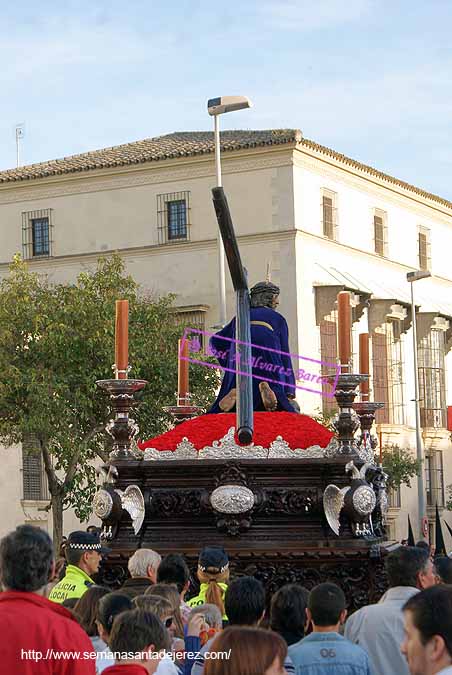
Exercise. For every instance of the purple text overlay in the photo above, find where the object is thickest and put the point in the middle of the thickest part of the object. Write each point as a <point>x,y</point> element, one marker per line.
<point>266,369</point>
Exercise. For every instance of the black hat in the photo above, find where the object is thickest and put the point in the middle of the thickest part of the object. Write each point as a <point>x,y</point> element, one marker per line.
<point>213,558</point>
<point>86,541</point>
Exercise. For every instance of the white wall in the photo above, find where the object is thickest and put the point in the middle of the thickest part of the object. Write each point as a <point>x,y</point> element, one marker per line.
<point>15,510</point>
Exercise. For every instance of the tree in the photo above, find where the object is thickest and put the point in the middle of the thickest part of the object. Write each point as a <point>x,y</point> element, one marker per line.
<point>400,466</point>
<point>56,340</point>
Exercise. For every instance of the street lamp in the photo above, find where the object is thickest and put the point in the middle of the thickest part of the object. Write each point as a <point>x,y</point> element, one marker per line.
<point>216,107</point>
<point>411,278</point>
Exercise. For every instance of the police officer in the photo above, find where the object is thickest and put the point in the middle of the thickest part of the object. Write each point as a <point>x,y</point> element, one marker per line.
<point>213,575</point>
<point>83,553</point>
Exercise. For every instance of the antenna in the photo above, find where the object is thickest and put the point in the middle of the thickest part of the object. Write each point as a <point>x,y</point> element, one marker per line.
<point>20,133</point>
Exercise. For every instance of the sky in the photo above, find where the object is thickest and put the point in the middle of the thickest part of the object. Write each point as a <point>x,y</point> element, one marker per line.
<point>369,78</point>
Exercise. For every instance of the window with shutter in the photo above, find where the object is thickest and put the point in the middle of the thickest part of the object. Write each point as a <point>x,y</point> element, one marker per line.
<point>432,380</point>
<point>173,216</point>
<point>387,363</point>
<point>37,233</point>
<point>328,217</point>
<point>34,479</point>
<point>434,479</point>
<point>32,476</point>
<point>428,463</point>
<point>423,251</point>
<point>328,352</point>
<point>379,235</point>
<point>380,375</point>
<point>395,498</point>
<point>177,219</point>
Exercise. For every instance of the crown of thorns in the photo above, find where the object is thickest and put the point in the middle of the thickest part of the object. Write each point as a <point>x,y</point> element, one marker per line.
<point>265,287</point>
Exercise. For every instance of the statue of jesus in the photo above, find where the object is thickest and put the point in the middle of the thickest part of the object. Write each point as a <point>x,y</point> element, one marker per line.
<point>273,376</point>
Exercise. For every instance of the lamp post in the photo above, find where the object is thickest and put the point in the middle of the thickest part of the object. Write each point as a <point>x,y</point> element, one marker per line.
<point>216,107</point>
<point>411,278</point>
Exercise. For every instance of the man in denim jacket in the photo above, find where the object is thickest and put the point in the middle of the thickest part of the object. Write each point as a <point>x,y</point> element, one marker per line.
<point>324,651</point>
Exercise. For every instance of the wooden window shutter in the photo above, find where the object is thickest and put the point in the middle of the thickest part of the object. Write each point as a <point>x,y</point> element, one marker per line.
<point>328,354</point>
<point>328,217</point>
<point>32,473</point>
<point>379,235</point>
<point>423,251</point>
<point>380,375</point>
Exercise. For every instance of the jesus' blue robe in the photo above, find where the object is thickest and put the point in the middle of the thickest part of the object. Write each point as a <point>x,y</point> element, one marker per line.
<point>275,367</point>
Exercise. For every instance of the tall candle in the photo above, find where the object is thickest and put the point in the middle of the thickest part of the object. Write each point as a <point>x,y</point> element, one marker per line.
<point>122,338</point>
<point>380,436</point>
<point>344,328</point>
<point>182,373</point>
<point>364,364</point>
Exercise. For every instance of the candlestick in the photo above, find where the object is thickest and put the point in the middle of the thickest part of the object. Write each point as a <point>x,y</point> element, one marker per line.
<point>344,328</point>
<point>364,364</point>
<point>367,442</point>
<point>122,428</point>
<point>346,422</point>
<point>182,373</point>
<point>122,339</point>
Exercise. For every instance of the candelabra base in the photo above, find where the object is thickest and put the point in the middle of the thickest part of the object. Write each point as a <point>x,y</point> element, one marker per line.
<point>122,428</point>
<point>347,421</point>
<point>367,443</point>
<point>181,413</point>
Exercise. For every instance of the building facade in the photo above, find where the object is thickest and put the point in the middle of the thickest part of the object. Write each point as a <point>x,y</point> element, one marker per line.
<point>321,223</point>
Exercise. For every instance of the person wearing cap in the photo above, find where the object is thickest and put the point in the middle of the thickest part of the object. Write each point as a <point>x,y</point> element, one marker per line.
<point>83,553</point>
<point>213,575</point>
<point>273,376</point>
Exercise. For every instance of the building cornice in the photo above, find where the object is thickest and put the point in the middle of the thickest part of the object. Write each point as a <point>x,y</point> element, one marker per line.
<point>327,156</point>
<point>43,264</point>
<point>173,170</point>
<point>368,254</point>
<point>182,147</point>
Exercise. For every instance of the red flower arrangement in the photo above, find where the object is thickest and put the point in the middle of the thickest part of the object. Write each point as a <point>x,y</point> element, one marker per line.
<point>300,431</point>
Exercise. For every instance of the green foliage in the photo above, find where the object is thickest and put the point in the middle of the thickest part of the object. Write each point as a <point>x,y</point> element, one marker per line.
<point>400,466</point>
<point>398,463</point>
<point>449,497</point>
<point>325,418</point>
<point>56,340</point>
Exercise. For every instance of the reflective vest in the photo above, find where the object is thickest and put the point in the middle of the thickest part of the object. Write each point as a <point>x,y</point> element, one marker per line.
<point>201,598</point>
<point>72,585</point>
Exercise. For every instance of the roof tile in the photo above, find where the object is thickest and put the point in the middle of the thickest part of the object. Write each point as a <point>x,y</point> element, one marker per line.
<point>191,143</point>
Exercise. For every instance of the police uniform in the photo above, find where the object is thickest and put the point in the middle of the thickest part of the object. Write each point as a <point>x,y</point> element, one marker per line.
<point>76,582</point>
<point>200,599</point>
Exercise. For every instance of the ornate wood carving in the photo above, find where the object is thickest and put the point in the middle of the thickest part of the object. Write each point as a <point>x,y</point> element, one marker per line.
<point>283,538</point>
<point>290,502</point>
<point>169,503</point>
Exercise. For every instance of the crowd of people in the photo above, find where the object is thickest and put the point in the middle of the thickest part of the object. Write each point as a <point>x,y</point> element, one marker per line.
<point>65,623</point>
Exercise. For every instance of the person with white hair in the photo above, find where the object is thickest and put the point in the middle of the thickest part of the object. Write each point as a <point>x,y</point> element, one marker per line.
<point>143,566</point>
